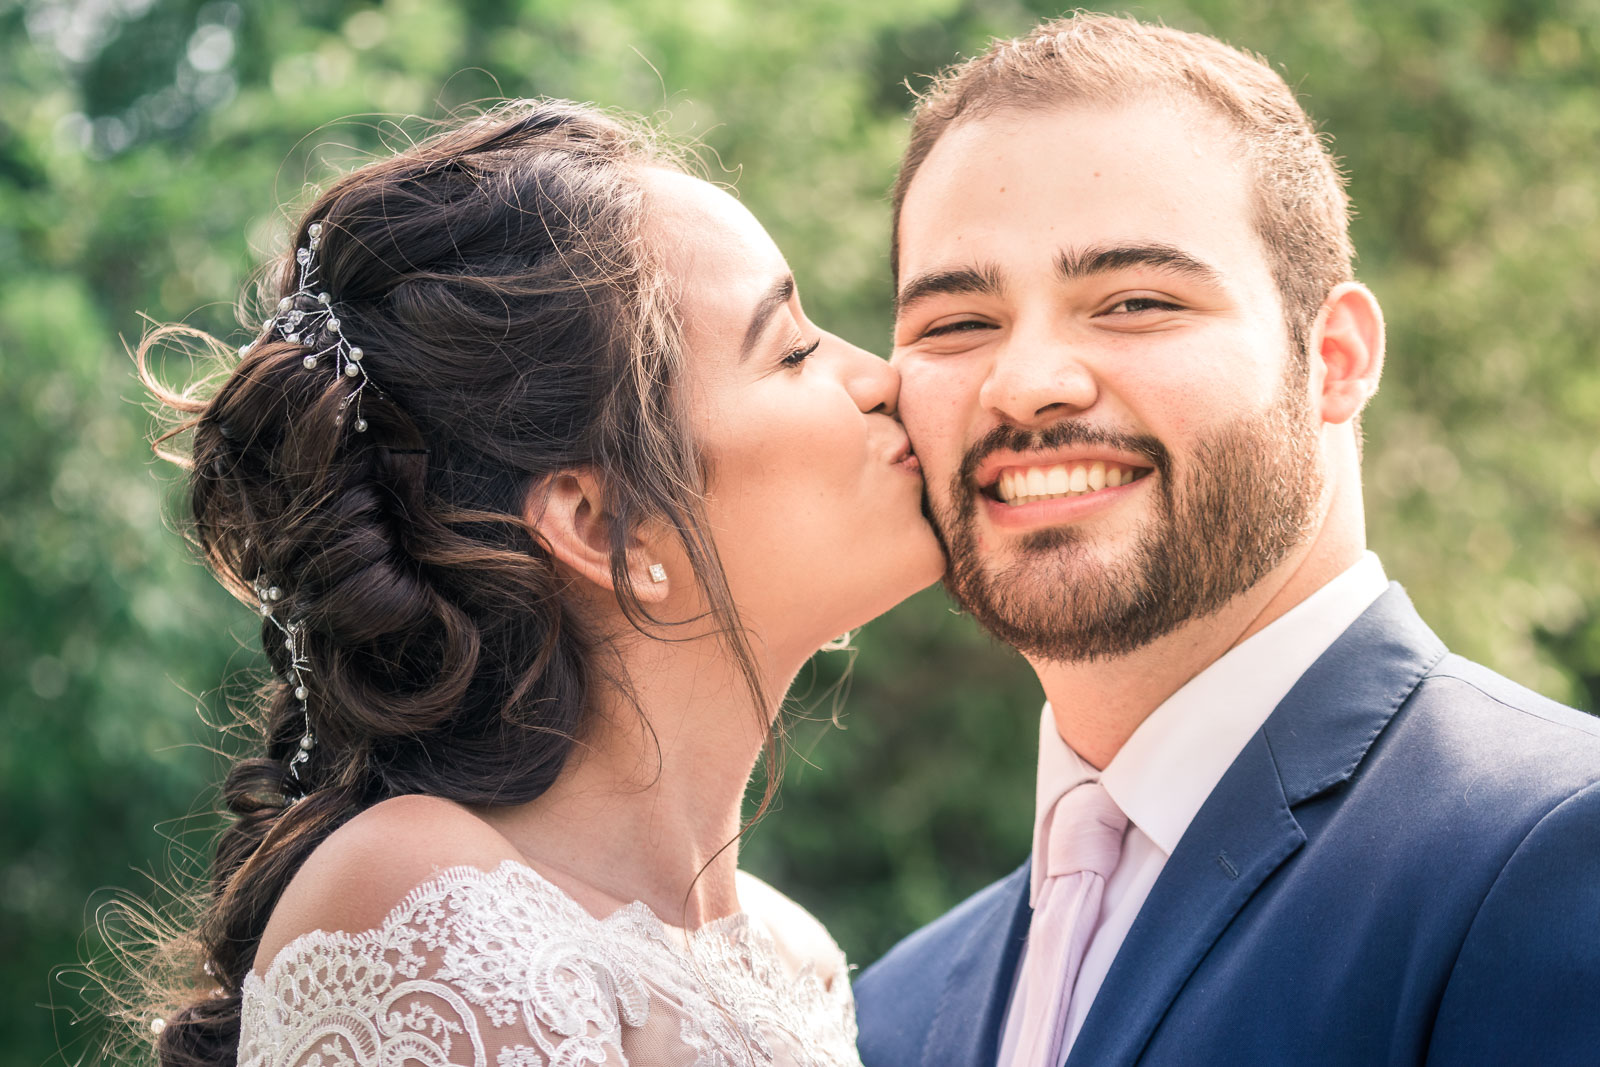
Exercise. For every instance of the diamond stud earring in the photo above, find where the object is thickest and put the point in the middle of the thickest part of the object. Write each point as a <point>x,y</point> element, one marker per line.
<point>658,573</point>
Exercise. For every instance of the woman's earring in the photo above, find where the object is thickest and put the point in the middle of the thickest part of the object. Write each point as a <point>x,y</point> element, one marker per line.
<point>658,573</point>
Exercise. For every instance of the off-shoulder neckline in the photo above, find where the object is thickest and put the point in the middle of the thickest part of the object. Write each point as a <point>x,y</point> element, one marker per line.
<point>636,915</point>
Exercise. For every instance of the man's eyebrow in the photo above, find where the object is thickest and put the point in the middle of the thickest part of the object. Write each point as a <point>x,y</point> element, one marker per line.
<point>1084,263</point>
<point>980,280</point>
<point>776,296</point>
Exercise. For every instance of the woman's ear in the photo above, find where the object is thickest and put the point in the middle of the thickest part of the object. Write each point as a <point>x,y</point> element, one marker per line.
<point>1346,352</point>
<point>568,514</point>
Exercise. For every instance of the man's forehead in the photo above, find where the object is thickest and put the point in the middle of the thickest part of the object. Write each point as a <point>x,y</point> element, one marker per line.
<point>1097,125</point>
<point>1146,172</point>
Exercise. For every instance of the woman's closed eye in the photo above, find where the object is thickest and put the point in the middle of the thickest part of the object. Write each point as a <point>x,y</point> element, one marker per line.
<point>795,357</point>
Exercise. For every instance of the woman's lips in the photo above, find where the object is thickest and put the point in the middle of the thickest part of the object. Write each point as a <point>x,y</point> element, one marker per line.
<point>906,459</point>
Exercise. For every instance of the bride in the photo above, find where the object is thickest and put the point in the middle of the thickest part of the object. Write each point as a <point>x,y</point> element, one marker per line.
<point>545,488</point>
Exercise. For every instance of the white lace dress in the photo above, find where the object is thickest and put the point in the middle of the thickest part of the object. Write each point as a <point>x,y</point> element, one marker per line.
<point>502,969</point>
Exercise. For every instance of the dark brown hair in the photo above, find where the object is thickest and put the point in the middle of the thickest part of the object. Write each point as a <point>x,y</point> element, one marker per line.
<point>515,324</point>
<point>1301,211</point>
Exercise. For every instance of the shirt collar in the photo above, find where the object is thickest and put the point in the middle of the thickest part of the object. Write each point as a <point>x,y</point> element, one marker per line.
<point>1169,766</point>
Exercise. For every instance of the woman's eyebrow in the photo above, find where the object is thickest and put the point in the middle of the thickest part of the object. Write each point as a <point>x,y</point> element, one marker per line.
<point>777,295</point>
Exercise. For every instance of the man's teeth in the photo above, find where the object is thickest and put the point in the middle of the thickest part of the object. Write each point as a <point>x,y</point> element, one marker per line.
<point>1024,486</point>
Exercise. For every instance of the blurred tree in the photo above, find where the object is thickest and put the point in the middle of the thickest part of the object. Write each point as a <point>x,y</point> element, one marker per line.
<point>146,147</point>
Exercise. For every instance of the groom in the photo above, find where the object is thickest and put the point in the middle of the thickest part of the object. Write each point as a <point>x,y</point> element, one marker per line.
<point>1277,823</point>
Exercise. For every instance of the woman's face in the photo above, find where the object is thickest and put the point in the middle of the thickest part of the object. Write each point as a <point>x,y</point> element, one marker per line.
<point>815,499</point>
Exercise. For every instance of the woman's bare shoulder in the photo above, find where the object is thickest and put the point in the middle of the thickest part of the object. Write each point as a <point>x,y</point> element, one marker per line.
<point>801,939</point>
<point>353,880</point>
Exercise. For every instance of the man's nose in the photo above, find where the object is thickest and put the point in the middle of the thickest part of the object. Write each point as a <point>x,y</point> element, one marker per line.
<point>1038,377</point>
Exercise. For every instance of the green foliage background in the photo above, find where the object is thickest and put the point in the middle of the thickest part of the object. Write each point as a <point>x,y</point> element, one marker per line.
<point>148,147</point>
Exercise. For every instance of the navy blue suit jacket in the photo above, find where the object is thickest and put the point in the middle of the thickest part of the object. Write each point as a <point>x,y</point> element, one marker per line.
<point>1401,867</point>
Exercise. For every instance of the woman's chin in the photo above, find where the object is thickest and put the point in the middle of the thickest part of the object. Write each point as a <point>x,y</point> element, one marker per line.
<point>929,572</point>
<point>912,569</point>
<point>925,561</point>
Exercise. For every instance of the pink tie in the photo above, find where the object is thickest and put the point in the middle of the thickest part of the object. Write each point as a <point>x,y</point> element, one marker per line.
<point>1081,850</point>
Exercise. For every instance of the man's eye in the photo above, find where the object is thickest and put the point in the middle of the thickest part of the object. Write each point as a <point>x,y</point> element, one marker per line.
<point>1135,304</point>
<point>963,326</point>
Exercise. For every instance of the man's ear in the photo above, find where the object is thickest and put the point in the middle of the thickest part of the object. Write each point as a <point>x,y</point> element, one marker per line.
<point>1346,346</point>
<point>568,514</point>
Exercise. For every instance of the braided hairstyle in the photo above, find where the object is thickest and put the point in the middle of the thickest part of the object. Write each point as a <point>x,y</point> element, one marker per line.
<point>515,323</point>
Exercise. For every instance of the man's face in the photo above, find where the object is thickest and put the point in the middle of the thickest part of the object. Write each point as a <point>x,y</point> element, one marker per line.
<point>1097,375</point>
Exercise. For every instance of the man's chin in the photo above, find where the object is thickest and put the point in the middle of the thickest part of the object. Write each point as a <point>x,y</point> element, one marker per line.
<point>1059,557</point>
<point>1056,599</point>
<point>1046,633</point>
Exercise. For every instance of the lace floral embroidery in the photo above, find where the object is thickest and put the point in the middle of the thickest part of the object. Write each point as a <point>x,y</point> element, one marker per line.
<point>504,969</point>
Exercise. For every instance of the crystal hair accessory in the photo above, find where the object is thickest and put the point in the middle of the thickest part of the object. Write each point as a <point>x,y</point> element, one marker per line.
<point>307,317</point>
<point>293,632</point>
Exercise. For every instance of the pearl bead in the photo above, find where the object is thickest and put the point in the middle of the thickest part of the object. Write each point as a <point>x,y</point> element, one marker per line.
<point>315,229</point>
<point>361,426</point>
<point>274,593</point>
<point>301,692</point>
<point>323,298</point>
<point>285,304</point>
<point>356,355</point>
<point>309,363</point>
<point>306,743</point>
<point>351,370</point>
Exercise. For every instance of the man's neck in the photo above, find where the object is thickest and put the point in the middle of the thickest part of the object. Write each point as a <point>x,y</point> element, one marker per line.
<point>1099,704</point>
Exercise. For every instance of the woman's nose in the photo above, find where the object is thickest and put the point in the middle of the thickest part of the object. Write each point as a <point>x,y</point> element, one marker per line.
<point>872,383</point>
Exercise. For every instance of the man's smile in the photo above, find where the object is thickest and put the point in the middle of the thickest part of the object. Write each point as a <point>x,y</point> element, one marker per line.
<point>1029,484</point>
<point>1013,477</point>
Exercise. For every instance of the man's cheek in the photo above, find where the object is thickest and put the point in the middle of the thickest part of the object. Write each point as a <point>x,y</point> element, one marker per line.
<point>931,429</point>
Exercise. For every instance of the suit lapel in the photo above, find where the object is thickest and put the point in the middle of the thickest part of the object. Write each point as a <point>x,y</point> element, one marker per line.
<point>966,1025</point>
<point>1239,837</point>
<point>1315,739</point>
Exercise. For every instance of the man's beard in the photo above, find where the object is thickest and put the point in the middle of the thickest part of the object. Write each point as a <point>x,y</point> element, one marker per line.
<point>1246,501</point>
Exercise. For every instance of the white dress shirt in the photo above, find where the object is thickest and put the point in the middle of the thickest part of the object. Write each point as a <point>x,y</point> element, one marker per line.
<point>1169,766</point>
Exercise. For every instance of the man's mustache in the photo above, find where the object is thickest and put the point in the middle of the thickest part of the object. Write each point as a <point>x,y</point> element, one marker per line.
<point>1064,434</point>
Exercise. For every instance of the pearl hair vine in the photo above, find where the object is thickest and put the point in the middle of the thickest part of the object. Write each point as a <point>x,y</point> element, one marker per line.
<point>294,632</point>
<point>307,317</point>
